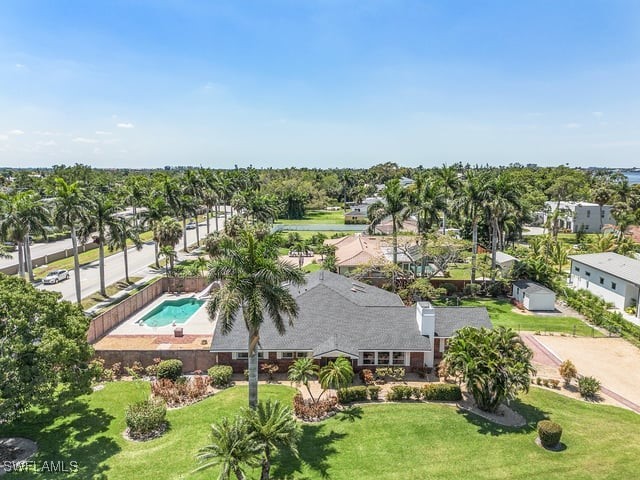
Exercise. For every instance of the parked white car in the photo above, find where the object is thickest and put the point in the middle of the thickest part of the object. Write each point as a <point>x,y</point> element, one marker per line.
<point>192,226</point>
<point>56,276</point>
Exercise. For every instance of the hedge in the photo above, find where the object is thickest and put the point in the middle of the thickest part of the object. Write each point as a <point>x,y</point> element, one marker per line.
<point>220,375</point>
<point>549,433</point>
<point>170,369</point>
<point>145,417</point>
<point>441,391</point>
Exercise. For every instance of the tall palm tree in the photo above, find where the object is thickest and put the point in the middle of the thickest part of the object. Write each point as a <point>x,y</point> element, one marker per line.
<point>121,231</point>
<point>274,427</point>
<point>156,210</point>
<point>176,200</point>
<point>427,201</point>
<point>468,201</point>
<point>168,232</point>
<point>209,195</point>
<point>448,176</point>
<point>170,255</point>
<point>252,283</point>
<point>233,447</point>
<point>13,227</point>
<point>135,191</point>
<point>101,214</point>
<point>395,205</point>
<point>499,198</point>
<point>71,211</point>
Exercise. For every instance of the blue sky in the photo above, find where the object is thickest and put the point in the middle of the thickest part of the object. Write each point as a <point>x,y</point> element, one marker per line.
<point>319,82</point>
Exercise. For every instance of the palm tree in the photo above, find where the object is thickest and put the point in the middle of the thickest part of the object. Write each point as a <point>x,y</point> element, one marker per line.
<point>71,211</point>
<point>177,202</point>
<point>302,249</point>
<point>274,427</point>
<point>449,181</point>
<point>233,447</point>
<point>13,227</point>
<point>468,202</point>
<point>122,230</point>
<point>395,205</point>
<point>209,195</point>
<point>170,256</point>
<point>427,200</point>
<point>336,374</point>
<point>167,233</point>
<point>252,283</point>
<point>302,371</point>
<point>101,214</point>
<point>135,192</point>
<point>156,210</point>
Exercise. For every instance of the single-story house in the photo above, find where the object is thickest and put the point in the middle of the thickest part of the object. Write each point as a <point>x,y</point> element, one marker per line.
<point>504,261</point>
<point>534,296</point>
<point>613,277</point>
<point>341,317</point>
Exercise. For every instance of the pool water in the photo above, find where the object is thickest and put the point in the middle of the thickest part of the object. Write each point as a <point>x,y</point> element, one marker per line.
<point>170,311</point>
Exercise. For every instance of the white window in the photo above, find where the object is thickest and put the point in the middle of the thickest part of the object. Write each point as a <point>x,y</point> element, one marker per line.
<point>383,358</point>
<point>368,358</point>
<point>244,355</point>
<point>398,358</point>
<point>287,355</point>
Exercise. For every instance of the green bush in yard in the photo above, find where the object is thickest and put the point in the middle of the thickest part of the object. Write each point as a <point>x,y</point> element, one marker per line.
<point>220,375</point>
<point>549,433</point>
<point>588,386</point>
<point>145,417</point>
<point>170,369</point>
<point>352,394</point>
<point>441,391</point>
<point>401,392</point>
<point>374,392</point>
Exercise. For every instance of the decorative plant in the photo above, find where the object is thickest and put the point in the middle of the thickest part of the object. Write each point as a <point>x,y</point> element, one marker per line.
<point>568,371</point>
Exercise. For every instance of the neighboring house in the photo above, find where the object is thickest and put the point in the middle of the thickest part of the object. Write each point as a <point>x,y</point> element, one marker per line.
<point>358,213</point>
<point>386,226</point>
<point>504,261</point>
<point>340,317</point>
<point>613,277</point>
<point>580,216</point>
<point>356,250</point>
<point>534,296</point>
<point>405,182</point>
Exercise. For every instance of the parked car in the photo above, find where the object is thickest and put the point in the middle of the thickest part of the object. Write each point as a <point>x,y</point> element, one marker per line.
<point>10,246</point>
<point>192,226</point>
<point>56,276</point>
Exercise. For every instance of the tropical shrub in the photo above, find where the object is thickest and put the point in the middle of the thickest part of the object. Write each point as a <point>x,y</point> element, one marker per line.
<point>303,371</point>
<point>394,373</point>
<point>554,383</point>
<point>336,374</point>
<point>152,370</point>
<point>374,392</point>
<point>181,392</point>
<point>169,369</point>
<point>367,376</point>
<point>310,410</point>
<point>352,394</point>
<point>98,372</point>
<point>450,288</point>
<point>441,391</point>
<point>494,364</point>
<point>270,369</point>
<point>401,392</point>
<point>443,370</point>
<point>135,370</point>
<point>220,375</point>
<point>568,371</point>
<point>116,370</point>
<point>146,417</point>
<point>471,290</point>
<point>549,433</point>
<point>588,387</point>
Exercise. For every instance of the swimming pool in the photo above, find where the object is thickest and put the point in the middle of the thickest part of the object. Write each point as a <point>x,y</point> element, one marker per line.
<point>170,311</point>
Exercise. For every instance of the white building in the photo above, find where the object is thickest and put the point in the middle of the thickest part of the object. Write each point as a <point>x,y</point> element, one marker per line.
<point>505,261</point>
<point>580,216</point>
<point>534,296</point>
<point>613,277</point>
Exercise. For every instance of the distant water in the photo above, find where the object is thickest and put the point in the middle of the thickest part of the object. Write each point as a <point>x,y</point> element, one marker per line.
<point>634,177</point>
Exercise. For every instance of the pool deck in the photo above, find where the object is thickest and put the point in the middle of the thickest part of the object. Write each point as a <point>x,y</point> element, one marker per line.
<point>132,335</point>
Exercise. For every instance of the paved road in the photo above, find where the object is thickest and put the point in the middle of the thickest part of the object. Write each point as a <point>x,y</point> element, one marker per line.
<point>38,250</point>
<point>139,260</point>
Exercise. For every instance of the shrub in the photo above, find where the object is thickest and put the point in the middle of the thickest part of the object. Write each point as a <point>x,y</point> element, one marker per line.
<point>394,373</point>
<point>366,376</point>
<point>374,392</point>
<point>181,392</point>
<point>538,380</point>
<point>170,369</point>
<point>96,367</point>
<point>310,411</point>
<point>400,392</point>
<point>441,391</point>
<point>270,369</point>
<point>549,433</point>
<point>116,370</point>
<point>568,371</point>
<point>220,375</point>
<point>450,288</point>
<point>352,394</point>
<point>443,370</point>
<point>545,382</point>
<point>135,370</point>
<point>554,383</point>
<point>145,417</point>
<point>152,370</point>
<point>471,290</point>
<point>588,386</point>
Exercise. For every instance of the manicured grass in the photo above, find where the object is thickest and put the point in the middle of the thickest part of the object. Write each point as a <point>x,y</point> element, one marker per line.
<point>112,289</point>
<point>502,314</point>
<point>307,234</point>
<point>386,441</point>
<point>317,216</point>
<point>312,267</point>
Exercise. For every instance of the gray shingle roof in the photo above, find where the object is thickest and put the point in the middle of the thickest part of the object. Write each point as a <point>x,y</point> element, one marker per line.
<point>530,286</point>
<point>336,313</point>
<point>614,264</point>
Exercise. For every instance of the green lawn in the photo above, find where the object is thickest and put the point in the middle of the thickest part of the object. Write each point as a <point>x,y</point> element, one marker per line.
<point>317,216</point>
<point>502,314</point>
<point>385,441</point>
<point>307,234</point>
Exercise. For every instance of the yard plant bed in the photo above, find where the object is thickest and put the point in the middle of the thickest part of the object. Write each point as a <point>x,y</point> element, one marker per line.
<point>383,440</point>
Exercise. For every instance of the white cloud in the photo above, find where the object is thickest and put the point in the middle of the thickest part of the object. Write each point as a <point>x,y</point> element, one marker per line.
<point>16,132</point>
<point>125,125</point>
<point>21,66</point>
<point>100,132</point>
<point>84,140</point>
<point>597,114</point>
<point>4,137</point>
<point>572,125</point>
<point>47,143</point>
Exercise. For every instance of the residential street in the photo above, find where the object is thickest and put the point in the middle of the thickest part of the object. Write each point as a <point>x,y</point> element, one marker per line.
<point>139,261</point>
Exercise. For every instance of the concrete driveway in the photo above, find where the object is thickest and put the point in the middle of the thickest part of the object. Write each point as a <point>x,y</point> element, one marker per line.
<point>613,361</point>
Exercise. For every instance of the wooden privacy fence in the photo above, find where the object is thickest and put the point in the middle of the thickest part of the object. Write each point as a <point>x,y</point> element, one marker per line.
<point>104,322</point>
